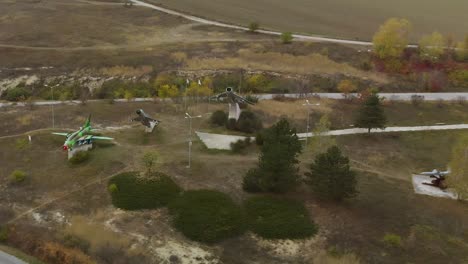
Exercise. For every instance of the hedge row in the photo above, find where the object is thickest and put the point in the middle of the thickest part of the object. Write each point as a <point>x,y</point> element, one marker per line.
<point>131,192</point>
<point>210,216</point>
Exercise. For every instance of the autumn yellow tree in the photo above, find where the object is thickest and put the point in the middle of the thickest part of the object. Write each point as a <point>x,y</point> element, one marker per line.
<point>458,178</point>
<point>462,49</point>
<point>320,142</point>
<point>432,46</point>
<point>392,38</point>
<point>346,87</point>
<point>168,91</point>
<point>200,89</point>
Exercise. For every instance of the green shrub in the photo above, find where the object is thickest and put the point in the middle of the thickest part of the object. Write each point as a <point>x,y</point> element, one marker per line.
<point>219,118</point>
<point>278,218</point>
<point>392,240</point>
<point>132,192</point>
<point>286,37</point>
<point>459,78</point>
<point>17,94</point>
<point>21,144</point>
<point>3,234</point>
<point>79,157</point>
<point>248,122</point>
<point>112,188</point>
<point>253,27</point>
<point>231,124</point>
<point>17,176</point>
<point>207,216</point>
<point>241,145</point>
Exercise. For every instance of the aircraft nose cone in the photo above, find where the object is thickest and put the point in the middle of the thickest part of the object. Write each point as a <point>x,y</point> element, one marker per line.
<point>138,111</point>
<point>229,89</point>
<point>65,147</point>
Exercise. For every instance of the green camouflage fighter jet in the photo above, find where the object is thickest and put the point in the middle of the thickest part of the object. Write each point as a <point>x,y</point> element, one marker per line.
<point>80,137</point>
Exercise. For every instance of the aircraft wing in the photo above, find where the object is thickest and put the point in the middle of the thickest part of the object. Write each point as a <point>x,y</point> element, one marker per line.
<point>60,134</point>
<point>428,173</point>
<point>103,138</point>
<point>242,99</point>
<point>221,95</point>
<point>138,119</point>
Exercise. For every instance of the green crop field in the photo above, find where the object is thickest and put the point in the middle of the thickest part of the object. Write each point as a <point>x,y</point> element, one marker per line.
<point>336,18</point>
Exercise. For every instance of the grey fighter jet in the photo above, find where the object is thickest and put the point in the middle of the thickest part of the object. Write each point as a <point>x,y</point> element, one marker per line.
<point>438,176</point>
<point>145,119</point>
<point>232,97</point>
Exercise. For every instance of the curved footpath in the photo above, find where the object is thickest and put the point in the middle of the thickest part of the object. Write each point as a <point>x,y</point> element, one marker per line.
<point>218,141</point>
<point>388,96</point>
<point>9,259</point>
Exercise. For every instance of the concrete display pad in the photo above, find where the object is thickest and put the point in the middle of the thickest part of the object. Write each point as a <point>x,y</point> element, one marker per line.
<point>77,149</point>
<point>424,189</point>
<point>216,141</point>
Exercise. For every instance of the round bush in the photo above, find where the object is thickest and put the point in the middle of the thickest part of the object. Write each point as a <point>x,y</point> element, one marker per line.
<point>130,192</point>
<point>272,217</point>
<point>207,216</point>
<point>219,118</point>
<point>17,176</point>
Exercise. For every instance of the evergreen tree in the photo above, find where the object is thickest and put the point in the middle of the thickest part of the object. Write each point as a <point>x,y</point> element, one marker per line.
<point>330,176</point>
<point>276,171</point>
<point>371,114</point>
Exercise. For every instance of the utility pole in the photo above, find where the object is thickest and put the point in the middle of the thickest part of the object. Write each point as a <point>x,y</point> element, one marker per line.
<point>52,104</point>
<point>188,116</point>
<point>308,105</point>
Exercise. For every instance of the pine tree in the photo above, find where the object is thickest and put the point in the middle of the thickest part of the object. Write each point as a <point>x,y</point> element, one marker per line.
<point>330,176</point>
<point>371,114</point>
<point>276,171</point>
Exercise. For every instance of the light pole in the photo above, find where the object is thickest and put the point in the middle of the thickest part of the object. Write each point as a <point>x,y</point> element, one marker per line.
<point>187,82</point>
<point>188,116</point>
<point>52,104</point>
<point>308,105</point>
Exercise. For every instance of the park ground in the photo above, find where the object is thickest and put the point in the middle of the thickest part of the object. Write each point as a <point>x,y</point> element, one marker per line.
<point>90,42</point>
<point>73,199</point>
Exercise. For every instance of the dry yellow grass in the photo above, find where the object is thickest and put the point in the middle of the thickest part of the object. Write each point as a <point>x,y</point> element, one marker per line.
<point>282,62</point>
<point>324,258</point>
<point>25,119</point>
<point>95,233</point>
<point>292,109</point>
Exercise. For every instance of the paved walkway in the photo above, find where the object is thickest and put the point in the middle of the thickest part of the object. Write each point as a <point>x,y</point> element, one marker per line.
<point>389,96</point>
<point>218,141</point>
<point>9,259</point>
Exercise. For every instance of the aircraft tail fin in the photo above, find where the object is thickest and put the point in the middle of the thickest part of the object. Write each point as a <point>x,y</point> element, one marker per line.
<point>88,121</point>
